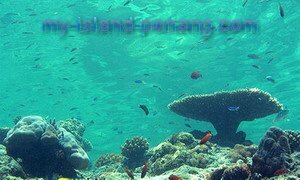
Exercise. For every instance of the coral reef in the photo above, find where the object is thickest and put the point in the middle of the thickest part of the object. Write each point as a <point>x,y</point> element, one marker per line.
<point>294,140</point>
<point>273,154</point>
<point>3,133</point>
<point>109,159</point>
<point>240,172</point>
<point>76,128</point>
<point>8,166</point>
<point>241,152</point>
<point>135,150</point>
<point>226,110</point>
<point>45,149</point>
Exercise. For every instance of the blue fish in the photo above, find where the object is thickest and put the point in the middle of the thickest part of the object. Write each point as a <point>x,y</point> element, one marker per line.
<point>233,108</point>
<point>139,81</point>
<point>270,78</point>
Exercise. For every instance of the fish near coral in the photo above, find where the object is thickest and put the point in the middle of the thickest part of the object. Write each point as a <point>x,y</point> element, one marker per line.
<point>174,177</point>
<point>205,138</point>
<point>144,170</point>
<point>129,173</point>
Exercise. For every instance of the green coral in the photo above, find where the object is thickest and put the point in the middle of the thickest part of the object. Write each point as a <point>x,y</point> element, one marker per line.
<point>183,138</point>
<point>241,152</point>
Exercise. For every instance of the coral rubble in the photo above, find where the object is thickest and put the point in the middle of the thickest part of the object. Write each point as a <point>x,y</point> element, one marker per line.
<point>217,108</point>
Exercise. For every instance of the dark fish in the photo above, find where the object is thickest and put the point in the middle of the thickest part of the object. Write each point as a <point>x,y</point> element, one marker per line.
<point>180,53</point>
<point>226,85</point>
<point>253,56</point>
<point>10,14</point>
<point>33,14</point>
<point>71,5</point>
<point>182,95</point>
<point>269,52</point>
<point>74,108</point>
<point>36,59</point>
<point>245,2</point>
<point>171,122</point>
<point>129,173</point>
<point>92,122</point>
<point>144,170</point>
<point>74,49</point>
<point>155,86</point>
<point>146,74</point>
<point>145,109</point>
<point>256,66</point>
<point>72,59</point>
<point>179,39</point>
<point>196,75</point>
<point>95,99</point>
<point>50,94</point>
<point>109,8</point>
<point>75,63</point>
<point>127,2</point>
<point>270,60</point>
<point>27,32</point>
<point>144,9</point>
<point>66,79</point>
<point>187,125</point>
<point>29,45</point>
<point>281,10</point>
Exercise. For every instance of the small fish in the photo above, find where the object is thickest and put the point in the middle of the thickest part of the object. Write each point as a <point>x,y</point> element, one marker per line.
<point>75,63</point>
<point>183,94</point>
<point>29,45</point>
<point>71,5</point>
<point>270,78</point>
<point>180,53</point>
<point>174,177</point>
<point>33,14</point>
<point>281,115</point>
<point>146,74</point>
<point>270,60</point>
<point>66,79</point>
<point>109,8</point>
<point>281,11</point>
<point>245,2</point>
<point>187,125</point>
<point>256,66</point>
<point>144,170</point>
<point>233,108</point>
<point>179,39</point>
<point>253,56</point>
<point>155,86</point>
<point>27,32</point>
<point>145,109</point>
<point>139,81</point>
<point>127,2</point>
<point>144,9</point>
<point>205,138</point>
<point>269,52</point>
<point>74,108</point>
<point>95,99</point>
<point>72,59</point>
<point>36,59</point>
<point>129,173</point>
<point>50,94</point>
<point>92,122</point>
<point>74,49</point>
<point>281,171</point>
<point>196,75</point>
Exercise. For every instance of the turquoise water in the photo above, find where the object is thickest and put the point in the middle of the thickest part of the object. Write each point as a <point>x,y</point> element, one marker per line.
<point>38,78</point>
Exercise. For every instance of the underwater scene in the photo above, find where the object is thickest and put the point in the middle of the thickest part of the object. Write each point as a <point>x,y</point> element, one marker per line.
<point>162,90</point>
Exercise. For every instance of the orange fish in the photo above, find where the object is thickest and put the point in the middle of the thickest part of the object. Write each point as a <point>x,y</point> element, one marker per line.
<point>174,177</point>
<point>130,174</point>
<point>205,138</point>
<point>281,171</point>
<point>144,170</point>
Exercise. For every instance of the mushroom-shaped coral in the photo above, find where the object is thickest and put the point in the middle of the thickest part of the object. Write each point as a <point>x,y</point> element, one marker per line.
<point>273,154</point>
<point>135,151</point>
<point>226,110</point>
